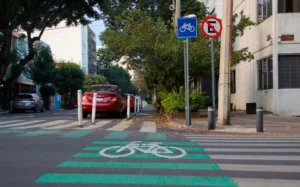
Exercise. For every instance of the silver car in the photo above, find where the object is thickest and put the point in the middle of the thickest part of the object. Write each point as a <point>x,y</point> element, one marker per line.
<point>28,101</point>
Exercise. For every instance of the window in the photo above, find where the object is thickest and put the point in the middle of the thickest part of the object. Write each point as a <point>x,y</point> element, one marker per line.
<point>287,6</point>
<point>233,82</point>
<point>264,10</point>
<point>265,74</point>
<point>289,71</point>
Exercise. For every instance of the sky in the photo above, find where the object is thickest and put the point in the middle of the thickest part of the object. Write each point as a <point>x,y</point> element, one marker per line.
<point>98,27</point>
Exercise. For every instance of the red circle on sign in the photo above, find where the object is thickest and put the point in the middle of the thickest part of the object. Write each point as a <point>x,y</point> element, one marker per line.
<point>205,21</point>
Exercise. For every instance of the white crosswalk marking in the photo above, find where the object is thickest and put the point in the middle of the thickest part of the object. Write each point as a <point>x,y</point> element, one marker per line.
<point>72,124</point>
<point>255,157</point>
<point>43,125</point>
<point>251,150</point>
<point>244,182</point>
<point>120,127</point>
<point>12,121</point>
<point>265,168</point>
<point>22,124</point>
<point>97,125</point>
<point>148,127</point>
<point>249,144</point>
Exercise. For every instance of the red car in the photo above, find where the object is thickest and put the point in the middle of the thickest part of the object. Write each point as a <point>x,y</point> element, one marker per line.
<point>109,100</point>
<point>131,101</point>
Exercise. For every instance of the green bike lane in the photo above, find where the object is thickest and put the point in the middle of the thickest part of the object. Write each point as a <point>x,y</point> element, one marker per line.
<point>88,167</point>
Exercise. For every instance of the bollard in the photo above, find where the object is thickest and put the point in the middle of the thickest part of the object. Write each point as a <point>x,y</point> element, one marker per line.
<point>94,108</point>
<point>79,101</point>
<point>11,106</point>
<point>128,106</point>
<point>211,119</point>
<point>138,106</point>
<point>259,120</point>
<point>135,104</point>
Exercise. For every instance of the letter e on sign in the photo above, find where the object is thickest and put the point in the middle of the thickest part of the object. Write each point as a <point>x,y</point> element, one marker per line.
<point>211,27</point>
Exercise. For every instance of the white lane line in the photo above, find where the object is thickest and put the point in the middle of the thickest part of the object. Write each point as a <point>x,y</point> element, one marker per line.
<point>148,127</point>
<point>120,127</point>
<point>248,145</point>
<point>263,168</point>
<point>67,125</point>
<point>242,150</point>
<point>97,125</point>
<point>245,182</point>
<point>23,123</point>
<point>222,137</point>
<point>7,122</point>
<point>255,157</point>
<point>43,124</point>
<point>246,141</point>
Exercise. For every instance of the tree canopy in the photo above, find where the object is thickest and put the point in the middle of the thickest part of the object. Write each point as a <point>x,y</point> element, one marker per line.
<point>93,79</point>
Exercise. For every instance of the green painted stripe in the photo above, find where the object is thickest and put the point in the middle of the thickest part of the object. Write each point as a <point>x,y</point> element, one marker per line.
<point>145,156</point>
<point>117,135</point>
<point>164,143</point>
<point>156,136</point>
<point>134,165</point>
<point>39,132</point>
<point>136,180</point>
<point>7,131</point>
<point>77,134</point>
<point>92,148</point>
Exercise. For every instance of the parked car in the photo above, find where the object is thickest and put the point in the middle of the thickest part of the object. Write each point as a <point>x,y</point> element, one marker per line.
<point>28,101</point>
<point>109,100</point>
<point>131,101</point>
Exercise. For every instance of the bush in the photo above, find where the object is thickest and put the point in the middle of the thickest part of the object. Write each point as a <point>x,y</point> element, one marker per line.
<point>174,102</point>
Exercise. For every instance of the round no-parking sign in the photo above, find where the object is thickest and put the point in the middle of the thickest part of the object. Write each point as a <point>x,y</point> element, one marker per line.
<point>211,27</point>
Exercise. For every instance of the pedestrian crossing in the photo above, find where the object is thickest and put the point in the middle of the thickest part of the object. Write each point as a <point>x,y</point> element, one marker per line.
<point>254,161</point>
<point>42,127</point>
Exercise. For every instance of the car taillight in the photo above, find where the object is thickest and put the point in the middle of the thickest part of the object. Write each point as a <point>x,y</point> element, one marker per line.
<point>114,99</point>
<point>84,98</point>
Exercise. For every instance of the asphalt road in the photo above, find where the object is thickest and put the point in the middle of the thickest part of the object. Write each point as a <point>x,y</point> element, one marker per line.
<point>50,149</point>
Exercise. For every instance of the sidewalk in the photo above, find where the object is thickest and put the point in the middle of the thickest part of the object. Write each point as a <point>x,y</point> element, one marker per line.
<point>242,123</point>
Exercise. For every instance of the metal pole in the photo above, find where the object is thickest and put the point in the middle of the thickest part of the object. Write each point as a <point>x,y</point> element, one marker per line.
<point>211,119</point>
<point>128,106</point>
<point>213,73</point>
<point>187,93</point>
<point>94,108</point>
<point>79,101</point>
<point>259,120</point>
<point>177,12</point>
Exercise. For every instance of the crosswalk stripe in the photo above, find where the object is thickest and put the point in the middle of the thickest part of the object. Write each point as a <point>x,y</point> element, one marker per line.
<point>117,135</point>
<point>37,133</point>
<point>43,125</point>
<point>248,144</point>
<point>251,150</point>
<point>244,182</point>
<point>222,137</point>
<point>120,127</point>
<point>122,179</point>
<point>23,123</point>
<point>148,127</point>
<point>254,157</point>
<point>248,141</point>
<point>97,125</point>
<point>12,121</point>
<point>260,168</point>
<point>72,124</point>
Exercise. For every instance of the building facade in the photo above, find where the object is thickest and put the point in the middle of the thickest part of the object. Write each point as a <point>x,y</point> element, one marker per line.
<point>272,79</point>
<point>74,44</point>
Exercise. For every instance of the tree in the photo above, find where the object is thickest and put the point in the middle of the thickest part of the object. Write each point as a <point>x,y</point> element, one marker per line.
<point>118,76</point>
<point>69,79</point>
<point>93,79</point>
<point>36,15</point>
<point>42,72</point>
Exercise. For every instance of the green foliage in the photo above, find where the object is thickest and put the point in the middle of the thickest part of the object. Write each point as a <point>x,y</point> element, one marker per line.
<point>69,78</point>
<point>93,79</point>
<point>174,102</point>
<point>118,76</point>
<point>42,69</point>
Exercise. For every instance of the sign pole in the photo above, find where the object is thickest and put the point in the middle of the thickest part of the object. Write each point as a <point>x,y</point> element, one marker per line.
<point>213,73</point>
<point>187,94</point>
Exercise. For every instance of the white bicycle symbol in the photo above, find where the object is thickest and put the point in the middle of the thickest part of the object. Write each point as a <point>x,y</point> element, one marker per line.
<point>188,27</point>
<point>149,148</point>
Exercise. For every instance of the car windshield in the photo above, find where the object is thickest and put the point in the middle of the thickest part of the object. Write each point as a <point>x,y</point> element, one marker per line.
<point>101,89</point>
<point>24,96</point>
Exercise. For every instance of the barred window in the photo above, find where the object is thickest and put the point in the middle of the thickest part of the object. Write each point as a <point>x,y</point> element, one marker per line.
<point>289,71</point>
<point>265,74</point>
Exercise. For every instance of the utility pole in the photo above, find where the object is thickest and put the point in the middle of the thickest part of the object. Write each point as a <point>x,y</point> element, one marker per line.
<point>177,11</point>
<point>225,65</point>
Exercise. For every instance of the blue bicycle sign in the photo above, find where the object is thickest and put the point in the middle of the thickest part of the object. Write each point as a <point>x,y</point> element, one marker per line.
<point>187,27</point>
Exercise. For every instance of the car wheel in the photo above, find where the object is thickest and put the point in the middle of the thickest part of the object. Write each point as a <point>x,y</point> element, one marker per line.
<point>84,114</point>
<point>36,110</point>
<point>42,109</point>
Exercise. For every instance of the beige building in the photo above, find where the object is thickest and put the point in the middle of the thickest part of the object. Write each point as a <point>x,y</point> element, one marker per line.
<point>272,79</point>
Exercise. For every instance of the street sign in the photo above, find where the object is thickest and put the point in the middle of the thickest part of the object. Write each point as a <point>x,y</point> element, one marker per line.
<point>187,27</point>
<point>211,27</point>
